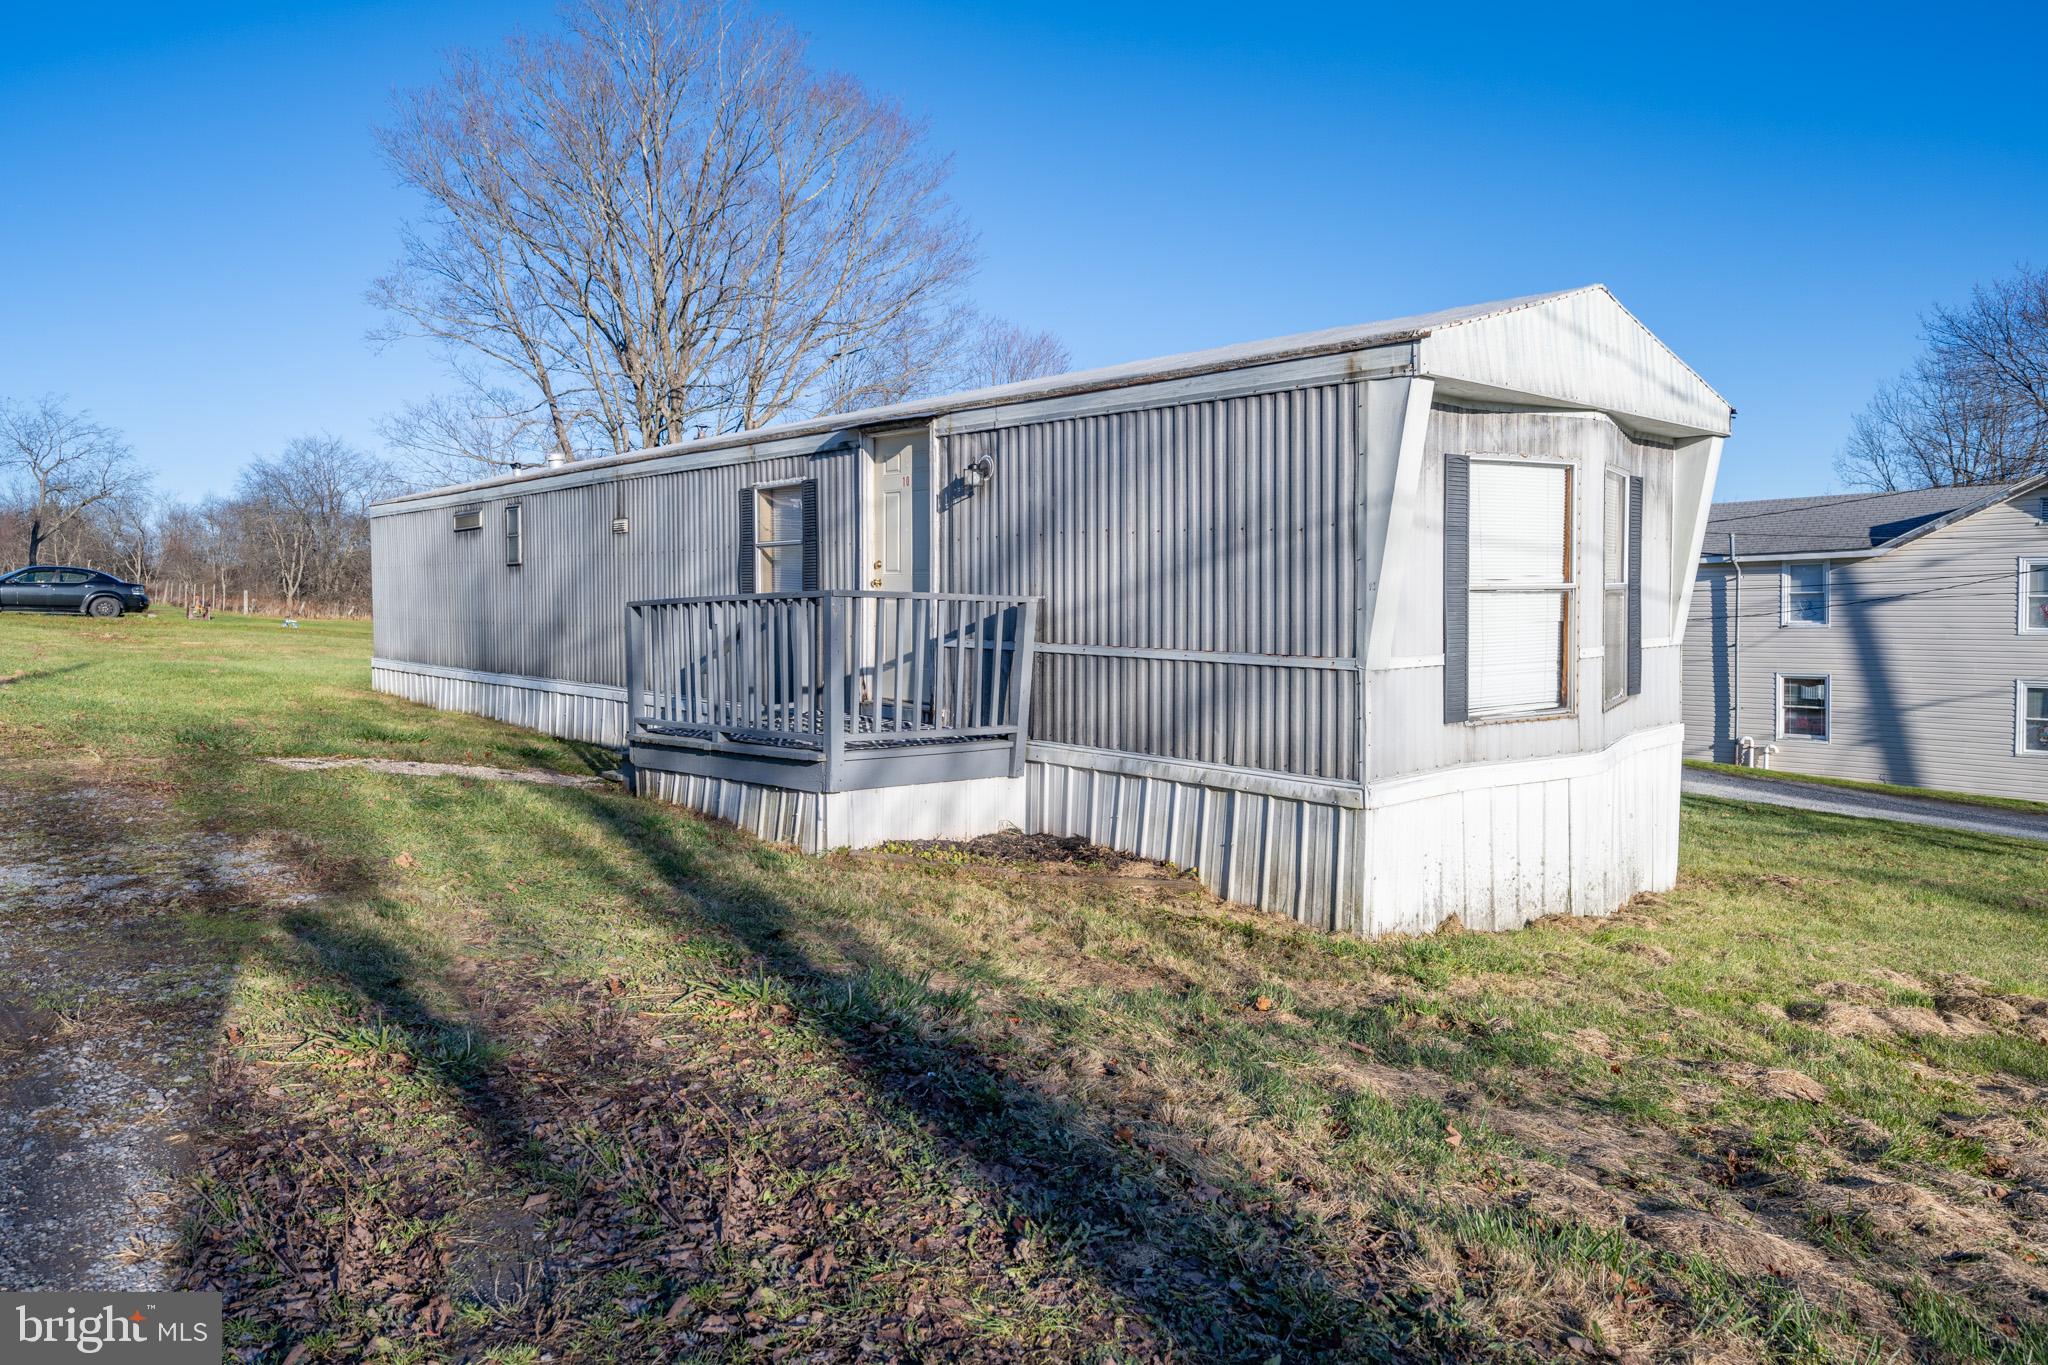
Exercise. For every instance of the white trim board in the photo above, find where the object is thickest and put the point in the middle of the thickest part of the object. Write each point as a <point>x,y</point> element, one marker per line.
<point>1399,791</point>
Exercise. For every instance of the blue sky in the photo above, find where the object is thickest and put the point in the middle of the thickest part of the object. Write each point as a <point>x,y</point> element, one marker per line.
<point>194,205</point>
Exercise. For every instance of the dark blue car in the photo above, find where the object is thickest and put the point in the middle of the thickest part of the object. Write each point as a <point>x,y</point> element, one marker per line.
<point>61,588</point>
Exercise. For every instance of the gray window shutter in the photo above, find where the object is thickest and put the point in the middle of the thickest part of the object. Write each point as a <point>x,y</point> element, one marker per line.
<point>810,535</point>
<point>747,555</point>
<point>1635,587</point>
<point>1457,581</point>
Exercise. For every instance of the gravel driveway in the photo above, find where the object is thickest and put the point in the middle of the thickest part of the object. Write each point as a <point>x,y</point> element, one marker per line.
<point>1911,810</point>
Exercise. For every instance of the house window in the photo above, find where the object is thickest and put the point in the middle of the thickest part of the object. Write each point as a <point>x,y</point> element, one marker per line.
<point>2034,595</point>
<point>1806,595</point>
<point>1803,707</point>
<point>1614,558</point>
<point>514,555</point>
<point>779,538</point>
<point>2033,718</point>
<point>1520,588</point>
<point>469,519</point>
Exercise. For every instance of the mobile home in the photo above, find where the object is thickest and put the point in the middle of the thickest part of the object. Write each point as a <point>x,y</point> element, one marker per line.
<point>1371,626</point>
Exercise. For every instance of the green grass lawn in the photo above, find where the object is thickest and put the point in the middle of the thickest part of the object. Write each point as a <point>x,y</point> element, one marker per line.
<point>510,1072</point>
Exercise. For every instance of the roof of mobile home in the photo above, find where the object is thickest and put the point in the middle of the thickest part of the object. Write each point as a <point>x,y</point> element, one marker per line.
<point>1573,348</point>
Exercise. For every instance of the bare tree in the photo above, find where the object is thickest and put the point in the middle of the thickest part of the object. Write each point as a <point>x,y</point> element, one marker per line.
<point>308,506</point>
<point>461,437</point>
<point>1003,353</point>
<point>1974,408</point>
<point>60,465</point>
<point>664,218</point>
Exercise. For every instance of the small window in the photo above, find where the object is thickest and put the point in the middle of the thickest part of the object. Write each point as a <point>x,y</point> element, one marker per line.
<point>2041,509</point>
<point>1806,595</point>
<point>2033,718</point>
<point>469,519</point>
<point>1803,708</point>
<point>2034,595</point>
<point>1520,589</point>
<point>779,539</point>
<point>514,553</point>
<point>1614,559</point>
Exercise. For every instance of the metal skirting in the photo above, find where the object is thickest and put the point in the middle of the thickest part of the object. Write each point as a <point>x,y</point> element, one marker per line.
<point>777,814</point>
<point>1293,857</point>
<point>589,715</point>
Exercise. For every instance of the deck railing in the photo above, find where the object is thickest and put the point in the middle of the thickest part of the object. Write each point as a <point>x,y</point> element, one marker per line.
<point>816,676</point>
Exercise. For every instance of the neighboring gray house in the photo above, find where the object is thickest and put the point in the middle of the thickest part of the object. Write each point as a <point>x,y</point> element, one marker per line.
<point>1897,637</point>
<point>1370,626</point>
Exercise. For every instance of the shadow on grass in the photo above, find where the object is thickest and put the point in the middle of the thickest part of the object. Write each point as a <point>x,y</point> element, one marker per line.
<point>1212,1280</point>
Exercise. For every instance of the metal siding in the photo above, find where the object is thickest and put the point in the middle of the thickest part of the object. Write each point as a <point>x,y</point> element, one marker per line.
<point>450,600</point>
<point>1223,526</point>
<point>1297,858</point>
<point>1922,645</point>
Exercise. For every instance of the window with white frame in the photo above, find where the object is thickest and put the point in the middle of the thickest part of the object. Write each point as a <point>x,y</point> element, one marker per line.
<point>1805,595</point>
<point>2033,718</point>
<point>515,550</point>
<point>1614,590</point>
<point>1520,588</point>
<point>779,538</point>
<point>1803,707</point>
<point>2034,594</point>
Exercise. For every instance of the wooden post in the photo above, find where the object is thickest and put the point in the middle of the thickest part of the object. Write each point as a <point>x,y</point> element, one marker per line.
<point>245,601</point>
<point>835,688</point>
<point>1020,683</point>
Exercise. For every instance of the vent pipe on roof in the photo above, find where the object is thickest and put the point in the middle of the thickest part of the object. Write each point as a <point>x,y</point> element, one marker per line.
<point>557,458</point>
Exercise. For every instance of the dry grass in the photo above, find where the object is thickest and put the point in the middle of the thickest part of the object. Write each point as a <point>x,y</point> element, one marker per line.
<point>540,1069</point>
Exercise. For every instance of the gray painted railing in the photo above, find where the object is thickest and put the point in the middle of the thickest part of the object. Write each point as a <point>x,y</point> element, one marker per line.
<point>813,676</point>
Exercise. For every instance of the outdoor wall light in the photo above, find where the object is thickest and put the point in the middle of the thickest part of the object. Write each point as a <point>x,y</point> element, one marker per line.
<point>978,472</point>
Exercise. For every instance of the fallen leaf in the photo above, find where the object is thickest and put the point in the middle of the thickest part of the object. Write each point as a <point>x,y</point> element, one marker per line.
<point>1263,1003</point>
<point>1452,1137</point>
<point>406,860</point>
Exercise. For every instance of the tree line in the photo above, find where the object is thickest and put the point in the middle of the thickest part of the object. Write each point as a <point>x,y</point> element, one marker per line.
<point>659,222</point>
<point>294,535</point>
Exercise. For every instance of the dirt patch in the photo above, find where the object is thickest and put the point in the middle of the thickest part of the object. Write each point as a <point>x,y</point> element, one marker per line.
<point>403,768</point>
<point>1778,1083</point>
<point>1015,846</point>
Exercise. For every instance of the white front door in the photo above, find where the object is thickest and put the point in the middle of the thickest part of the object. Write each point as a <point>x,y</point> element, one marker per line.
<point>899,526</point>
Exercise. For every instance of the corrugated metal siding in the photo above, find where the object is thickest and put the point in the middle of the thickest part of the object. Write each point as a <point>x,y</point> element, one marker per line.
<point>1297,858</point>
<point>450,599</point>
<point>591,720</point>
<point>1225,526</point>
<point>774,813</point>
<point>1923,648</point>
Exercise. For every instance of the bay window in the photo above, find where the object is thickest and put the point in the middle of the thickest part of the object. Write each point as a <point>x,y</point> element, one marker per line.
<point>1508,605</point>
<point>1614,582</point>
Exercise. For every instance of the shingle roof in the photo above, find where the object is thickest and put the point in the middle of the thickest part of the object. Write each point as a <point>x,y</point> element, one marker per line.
<point>1841,522</point>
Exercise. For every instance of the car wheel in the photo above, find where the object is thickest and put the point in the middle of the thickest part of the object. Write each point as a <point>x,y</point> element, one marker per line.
<point>104,606</point>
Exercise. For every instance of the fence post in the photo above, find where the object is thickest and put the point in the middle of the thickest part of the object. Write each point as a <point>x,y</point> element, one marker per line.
<point>1020,684</point>
<point>835,689</point>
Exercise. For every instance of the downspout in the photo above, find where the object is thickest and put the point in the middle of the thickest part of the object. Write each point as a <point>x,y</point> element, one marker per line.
<point>1735,637</point>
